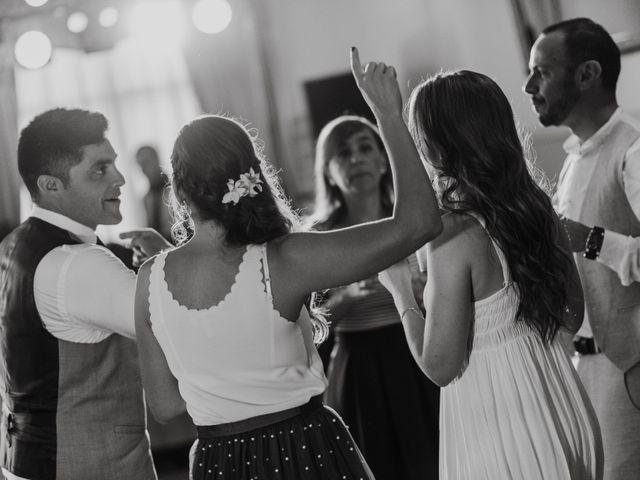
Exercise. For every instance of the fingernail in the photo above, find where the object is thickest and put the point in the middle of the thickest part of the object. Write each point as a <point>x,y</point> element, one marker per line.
<point>353,48</point>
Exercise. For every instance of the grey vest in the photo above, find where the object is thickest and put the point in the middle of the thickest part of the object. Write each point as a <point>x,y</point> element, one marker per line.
<point>614,310</point>
<point>71,410</point>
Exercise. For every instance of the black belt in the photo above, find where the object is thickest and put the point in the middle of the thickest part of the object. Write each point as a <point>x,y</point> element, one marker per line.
<point>586,346</point>
<point>235,428</point>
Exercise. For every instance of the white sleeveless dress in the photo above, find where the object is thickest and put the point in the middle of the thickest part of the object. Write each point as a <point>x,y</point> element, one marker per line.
<point>518,409</point>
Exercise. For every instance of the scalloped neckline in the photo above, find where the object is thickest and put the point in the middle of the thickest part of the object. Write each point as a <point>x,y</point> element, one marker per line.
<point>204,309</point>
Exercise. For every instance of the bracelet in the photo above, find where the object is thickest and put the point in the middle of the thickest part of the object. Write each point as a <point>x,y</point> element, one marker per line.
<point>594,243</point>
<point>409,309</point>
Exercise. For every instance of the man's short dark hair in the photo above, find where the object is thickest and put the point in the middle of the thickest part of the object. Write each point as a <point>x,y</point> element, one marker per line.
<point>587,40</point>
<point>51,143</point>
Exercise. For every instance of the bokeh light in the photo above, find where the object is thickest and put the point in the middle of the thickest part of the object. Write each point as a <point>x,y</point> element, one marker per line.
<point>33,49</point>
<point>77,22</point>
<point>108,17</point>
<point>35,3</point>
<point>211,16</point>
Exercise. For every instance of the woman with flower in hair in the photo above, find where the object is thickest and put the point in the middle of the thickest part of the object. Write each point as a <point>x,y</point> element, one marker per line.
<point>221,320</point>
<point>502,288</point>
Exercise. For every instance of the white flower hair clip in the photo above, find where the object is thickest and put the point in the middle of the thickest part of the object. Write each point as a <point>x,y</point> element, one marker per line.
<point>247,185</point>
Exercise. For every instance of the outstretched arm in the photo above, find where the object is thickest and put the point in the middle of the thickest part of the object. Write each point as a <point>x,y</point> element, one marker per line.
<point>160,386</point>
<point>145,243</point>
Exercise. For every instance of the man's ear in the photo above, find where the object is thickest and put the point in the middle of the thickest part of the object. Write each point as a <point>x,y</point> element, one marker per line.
<point>48,184</point>
<point>588,73</point>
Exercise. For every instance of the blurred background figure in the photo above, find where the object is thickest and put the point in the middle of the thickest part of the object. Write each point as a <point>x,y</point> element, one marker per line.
<point>390,407</point>
<point>155,204</point>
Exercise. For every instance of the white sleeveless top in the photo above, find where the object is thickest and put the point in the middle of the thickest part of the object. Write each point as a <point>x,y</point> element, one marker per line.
<point>239,358</point>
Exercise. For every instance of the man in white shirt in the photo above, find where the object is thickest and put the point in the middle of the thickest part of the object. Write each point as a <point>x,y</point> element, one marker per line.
<point>71,393</point>
<point>574,67</point>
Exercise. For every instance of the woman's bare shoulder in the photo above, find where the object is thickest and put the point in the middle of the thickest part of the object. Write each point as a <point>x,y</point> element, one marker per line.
<point>459,229</point>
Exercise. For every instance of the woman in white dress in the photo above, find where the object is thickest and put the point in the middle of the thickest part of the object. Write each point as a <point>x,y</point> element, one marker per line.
<point>221,321</point>
<point>501,292</point>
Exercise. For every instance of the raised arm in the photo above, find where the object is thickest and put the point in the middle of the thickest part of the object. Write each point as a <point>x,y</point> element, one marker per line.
<point>439,342</point>
<point>160,386</point>
<point>342,256</point>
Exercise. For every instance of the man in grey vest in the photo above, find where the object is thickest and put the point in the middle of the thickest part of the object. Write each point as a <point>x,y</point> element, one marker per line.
<point>574,67</point>
<point>72,397</point>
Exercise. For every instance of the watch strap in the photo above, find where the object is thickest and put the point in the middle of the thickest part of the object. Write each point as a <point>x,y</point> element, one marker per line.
<point>594,243</point>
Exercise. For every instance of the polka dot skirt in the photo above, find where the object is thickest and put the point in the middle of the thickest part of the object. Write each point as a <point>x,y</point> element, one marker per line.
<point>312,445</point>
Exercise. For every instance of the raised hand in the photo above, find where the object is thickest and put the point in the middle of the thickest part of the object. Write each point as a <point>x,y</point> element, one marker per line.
<point>145,243</point>
<point>379,86</point>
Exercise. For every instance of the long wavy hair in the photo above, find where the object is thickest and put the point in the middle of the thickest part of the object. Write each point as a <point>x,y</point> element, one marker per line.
<point>465,129</point>
<point>208,152</point>
<point>330,207</point>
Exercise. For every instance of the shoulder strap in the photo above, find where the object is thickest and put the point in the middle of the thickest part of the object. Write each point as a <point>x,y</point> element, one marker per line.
<point>506,277</point>
<point>157,273</point>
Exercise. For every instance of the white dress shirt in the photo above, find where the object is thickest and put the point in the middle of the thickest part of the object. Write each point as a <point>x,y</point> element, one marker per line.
<point>619,252</point>
<point>83,293</point>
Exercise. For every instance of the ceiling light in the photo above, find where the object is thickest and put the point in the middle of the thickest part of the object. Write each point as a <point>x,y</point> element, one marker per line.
<point>33,49</point>
<point>108,17</point>
<point>35,3</point>
<point>77,22</point>
<point>211,16</point>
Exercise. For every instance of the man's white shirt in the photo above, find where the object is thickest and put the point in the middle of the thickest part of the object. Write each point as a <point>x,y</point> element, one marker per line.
<point>619,252</point>
<point>83,292</point>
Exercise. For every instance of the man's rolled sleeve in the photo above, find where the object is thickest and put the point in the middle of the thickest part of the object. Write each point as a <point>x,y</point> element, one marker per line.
<point>84,293</point>
<point>622,255</point>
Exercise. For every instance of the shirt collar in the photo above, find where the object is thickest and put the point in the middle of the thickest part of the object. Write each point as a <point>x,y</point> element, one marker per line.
<point>573,146</point>
<point>84,233</point>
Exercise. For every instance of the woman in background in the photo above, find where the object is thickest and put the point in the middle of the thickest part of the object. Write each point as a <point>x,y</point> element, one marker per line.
<point>391,408</point>
<point>502,288</point>
<point>221,321</point>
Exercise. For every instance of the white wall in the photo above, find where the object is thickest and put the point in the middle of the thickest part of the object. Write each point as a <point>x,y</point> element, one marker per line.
<point>310,39</point>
